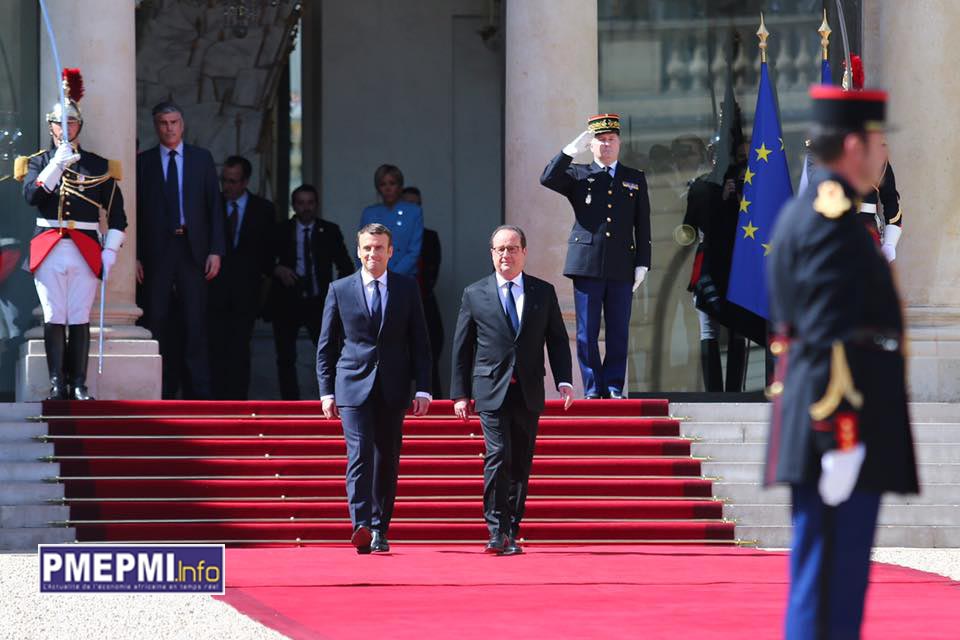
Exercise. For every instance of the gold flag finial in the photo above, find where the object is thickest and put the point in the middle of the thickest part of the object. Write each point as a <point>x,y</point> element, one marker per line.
<point>763,34</point>
<point>825,32</point>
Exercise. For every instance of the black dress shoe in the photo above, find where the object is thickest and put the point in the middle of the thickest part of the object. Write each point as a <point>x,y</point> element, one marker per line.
<point>361,539</point>
<point>616,395</point>
<point>379,544</point>
<point>592,396</point>
<point>496,544</point>
<point>512,547</point>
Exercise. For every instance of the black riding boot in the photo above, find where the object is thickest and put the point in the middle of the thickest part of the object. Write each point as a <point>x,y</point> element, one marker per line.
<point>55,344</point>
<point>710,365</point>
<point>737,354</point>
<point>78,354</point>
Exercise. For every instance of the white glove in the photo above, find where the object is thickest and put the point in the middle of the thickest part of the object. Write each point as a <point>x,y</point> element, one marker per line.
<point>108,257</point>
<point>639,274</point>
<point>891,236</point>
<point>579,144</point>
<point>62,158</point>
<point>840,471</point>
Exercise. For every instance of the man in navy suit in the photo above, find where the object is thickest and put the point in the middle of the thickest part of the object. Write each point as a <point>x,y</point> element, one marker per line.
<point>608,252</point>
<point>373,341</point>
<point>180,240</point>
<point>505,321</point>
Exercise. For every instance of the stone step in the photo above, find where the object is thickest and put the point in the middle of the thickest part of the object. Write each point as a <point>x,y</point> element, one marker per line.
<point>27,539</point>
<point>24,516</point>
<point>28,471</point>
<point>890,514</point>
<point>18,411</point>
<point>760,411</point>
<point>25,451</point>
<point>931,453</point>
<point>923,432</point>
<point>755,493</point>
<point>941,472</point>
<point>914,536</point>
<point>30,492</point>
<point>17,431</point>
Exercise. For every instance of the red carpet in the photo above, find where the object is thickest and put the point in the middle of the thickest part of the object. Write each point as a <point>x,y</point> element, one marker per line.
<point>271,473</point>
<point>652,592</point>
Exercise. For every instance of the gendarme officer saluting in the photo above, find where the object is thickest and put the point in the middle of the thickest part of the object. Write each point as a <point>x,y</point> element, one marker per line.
<point>840,431</point>
<point>608,252</point>
<point>69,186</point>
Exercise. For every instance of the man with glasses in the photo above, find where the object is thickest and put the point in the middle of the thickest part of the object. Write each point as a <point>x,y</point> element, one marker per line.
<point>608,252</point>
<point>505,321</point>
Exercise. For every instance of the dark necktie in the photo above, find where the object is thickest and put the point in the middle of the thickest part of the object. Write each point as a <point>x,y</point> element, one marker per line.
<point>171,189</point>
<point>609,171</point>
<point>512,309</point>
<point>307,265</point>
<point>232,221</point>
<point>376,308</point>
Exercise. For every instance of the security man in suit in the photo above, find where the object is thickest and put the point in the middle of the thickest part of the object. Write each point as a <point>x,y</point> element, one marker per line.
<point>372,346</point>
<point>505,321</point>
<point>840,429</point>
<point>306,250</point>
<point>608,252</point>
<point>236,293</point>
<point>69,185</point>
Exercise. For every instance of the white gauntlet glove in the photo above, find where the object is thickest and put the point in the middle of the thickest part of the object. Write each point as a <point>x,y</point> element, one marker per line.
<point>639,274</point>
<point>579,144</point>
<point>64,156</point>
<point>891,236</point>
<point>839,473</point>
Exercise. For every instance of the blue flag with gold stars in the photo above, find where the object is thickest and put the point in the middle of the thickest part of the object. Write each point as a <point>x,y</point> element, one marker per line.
<point>826,77</point>
<point>766,187</point>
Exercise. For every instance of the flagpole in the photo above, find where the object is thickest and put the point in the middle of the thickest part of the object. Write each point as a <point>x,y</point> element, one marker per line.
<point>825,32</point>
<point>763,34</point>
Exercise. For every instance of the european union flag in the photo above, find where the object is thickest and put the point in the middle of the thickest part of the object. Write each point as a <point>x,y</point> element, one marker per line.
<point>766,188</point>
<point>825,76</point>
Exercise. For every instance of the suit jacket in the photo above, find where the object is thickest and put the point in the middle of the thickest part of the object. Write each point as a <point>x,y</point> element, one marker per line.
<point>486,355</point>
<point>830,284</point>
<point>202,207</point>
<point>611,232</point>
<point>351,355</point>
<point>328,250</point>
<point>244,267</point>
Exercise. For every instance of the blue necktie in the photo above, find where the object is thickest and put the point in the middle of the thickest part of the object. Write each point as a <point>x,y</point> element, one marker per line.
<point>376,308</point>
<point>171,189</point>
<point>512,309</point>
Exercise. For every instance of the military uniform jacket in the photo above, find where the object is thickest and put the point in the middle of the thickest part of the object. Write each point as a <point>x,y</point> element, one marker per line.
<point>829,284</point>
<point>75,209</point>
<point>611,233</point>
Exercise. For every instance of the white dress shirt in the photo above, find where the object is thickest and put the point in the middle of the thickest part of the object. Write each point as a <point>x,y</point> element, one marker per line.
<point>165,160</point>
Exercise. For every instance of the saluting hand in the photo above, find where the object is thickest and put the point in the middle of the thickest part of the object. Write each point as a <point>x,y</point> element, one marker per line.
<point>579,144</point>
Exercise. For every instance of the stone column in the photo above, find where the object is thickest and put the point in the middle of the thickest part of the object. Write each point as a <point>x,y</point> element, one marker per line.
<point>98,36</point>
<point>551,89</point>
<point>911,52</point>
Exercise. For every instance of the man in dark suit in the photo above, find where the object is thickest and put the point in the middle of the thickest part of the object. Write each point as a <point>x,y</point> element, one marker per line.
<point>306,250</point>
<point>235,294</point>
<point>373,341</point>
<point>840,429</point>
<point>608,252</point>
<point>428,271</point>
<point>504,322</point>
<point>180,241</point>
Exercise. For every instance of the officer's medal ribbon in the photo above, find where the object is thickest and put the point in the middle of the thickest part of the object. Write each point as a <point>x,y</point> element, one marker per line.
<point>831,201</point>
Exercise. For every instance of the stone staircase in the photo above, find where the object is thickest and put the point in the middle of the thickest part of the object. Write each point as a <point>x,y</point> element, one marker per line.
<point>29,501</point>
<point>732,437</point>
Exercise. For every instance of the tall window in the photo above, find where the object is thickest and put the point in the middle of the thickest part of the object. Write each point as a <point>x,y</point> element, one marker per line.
<point>665,66</point>
<point>19,115</point>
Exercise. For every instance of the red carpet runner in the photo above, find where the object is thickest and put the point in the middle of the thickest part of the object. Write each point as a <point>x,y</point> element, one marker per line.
<point>556,592</point>
<point>271,473</point>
